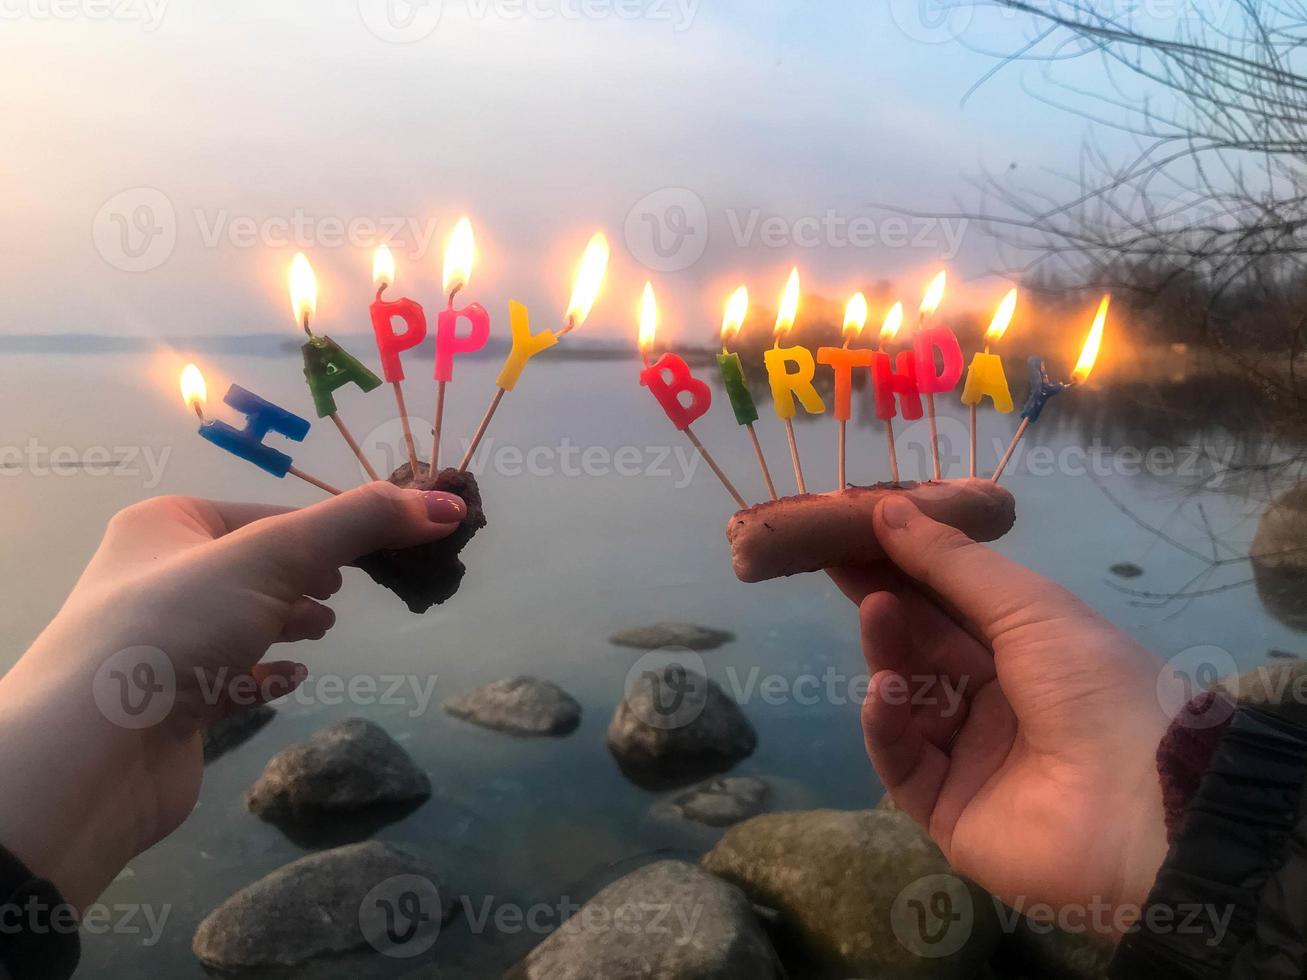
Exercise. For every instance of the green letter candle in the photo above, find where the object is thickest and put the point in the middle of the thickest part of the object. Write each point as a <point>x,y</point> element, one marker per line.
<point>327,366</point>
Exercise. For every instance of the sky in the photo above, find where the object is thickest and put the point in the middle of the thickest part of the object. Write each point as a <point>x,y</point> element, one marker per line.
<point>165,160</point>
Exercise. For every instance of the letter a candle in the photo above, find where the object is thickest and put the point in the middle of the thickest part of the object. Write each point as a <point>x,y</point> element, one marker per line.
<point>261,417</point>
<point>459,255</point>
<point>784,384</point>
<point>670,378</point>
<point>390,344</point>
<point>843,361</point>
<point>1042,389</point>
<point>327,366</point>
<point>526,345</point>
<point>737,389</point>
<point>986,376</point>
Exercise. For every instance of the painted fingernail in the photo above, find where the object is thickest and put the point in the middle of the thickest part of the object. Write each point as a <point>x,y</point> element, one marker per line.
<point>897,511</point>
<point>444,508</point>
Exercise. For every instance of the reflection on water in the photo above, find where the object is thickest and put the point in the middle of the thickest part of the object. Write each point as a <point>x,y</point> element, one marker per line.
<point>595,526</point>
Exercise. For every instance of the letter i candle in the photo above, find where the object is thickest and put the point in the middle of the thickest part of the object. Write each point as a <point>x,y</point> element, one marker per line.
<point>1042,389</point>
<point>670,378</point>
<point>785,385</point>
<point>737,388</point>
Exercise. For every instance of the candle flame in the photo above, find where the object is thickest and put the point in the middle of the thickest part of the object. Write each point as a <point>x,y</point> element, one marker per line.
<point>737,308</point>
<point>303,289</point>
<point>589,280</point>
<point>460,252</point>
<point>893,322</point>
<point>855,317</point>
<point>648,318</point>
<point>789,310</point>
<point>1002,318</point>
<point>194,390</point>
<point>1092,344</point>
<point>383,267</point>
<point>934,293</point>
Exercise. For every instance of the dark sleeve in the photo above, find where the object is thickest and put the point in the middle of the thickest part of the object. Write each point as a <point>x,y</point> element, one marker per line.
<point>38,929</point>
<point>1231,898</point>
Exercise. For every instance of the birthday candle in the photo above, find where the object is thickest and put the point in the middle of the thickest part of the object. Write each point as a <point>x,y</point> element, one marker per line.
<point>985,377</point>
<point>843,360</point>
<point>737,388</point>
<point>669,379</point>
<point>889,383</point>
<point>327,366</point>
<point>459,255</point>
<point>786,384</point>
<point>589,280</point>
<point>261,418</point>
<point>390,344</point>
<point>929,304</point>
<point>1043,390</point>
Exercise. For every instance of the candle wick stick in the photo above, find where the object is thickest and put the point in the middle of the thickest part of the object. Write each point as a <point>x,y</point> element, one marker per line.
<point>355,448</point>
<point>842,476</point>
<point>762,462</point>
<point>481,430</point>
<point>934,436</point>
<point>408,432</point>
<point>327,487</point>
<point>893,452</point>
<point>973,442</point>
<point>712,463</point>
<point>794,456</point>
<point>438,427</point>
<point>1012,447</point>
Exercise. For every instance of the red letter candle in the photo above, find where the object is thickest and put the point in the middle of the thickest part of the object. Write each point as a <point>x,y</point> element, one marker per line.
<point>390,344</point>
<point>459,254</point>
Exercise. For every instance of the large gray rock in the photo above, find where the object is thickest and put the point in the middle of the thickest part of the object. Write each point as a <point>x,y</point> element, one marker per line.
<point>860,893</point>
<point>662,635</point>
<point>519,706</point>
<point>722,801</point>
<point>1279,558</point>
<point>675,726</point>
<point>349,766</point>
<point>667,921</point>
<point>368,894</point>
<point>235,730</point>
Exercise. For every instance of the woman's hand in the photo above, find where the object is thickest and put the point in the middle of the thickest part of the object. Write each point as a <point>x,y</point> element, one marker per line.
<point>179,605</point>
<point>1041,782</point>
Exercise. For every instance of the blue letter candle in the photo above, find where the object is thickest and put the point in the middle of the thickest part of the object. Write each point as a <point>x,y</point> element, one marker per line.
<point>262,417</point>
<point>1041,390</point>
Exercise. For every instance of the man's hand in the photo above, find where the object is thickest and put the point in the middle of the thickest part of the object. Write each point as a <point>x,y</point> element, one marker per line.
<point>1041,784</point>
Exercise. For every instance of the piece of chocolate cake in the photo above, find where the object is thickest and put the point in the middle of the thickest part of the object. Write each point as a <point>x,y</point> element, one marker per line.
<point>429,574</point>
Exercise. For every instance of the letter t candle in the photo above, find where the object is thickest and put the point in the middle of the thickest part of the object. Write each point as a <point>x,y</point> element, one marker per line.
<point>737,389</point>
<point>843,361</point>
<point>669,379</point>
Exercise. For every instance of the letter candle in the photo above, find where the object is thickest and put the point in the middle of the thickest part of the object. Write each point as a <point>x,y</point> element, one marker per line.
<point>1042,389</point>
<point>459,255</point>
<point>261,416</point>
<point>889,383</point>
<point>929,304</point>
<point>668,379</point>
<point>327,366</point>
<point>785,385</point>
<point>737,389</point>
<point>843,361</point>
<point>391,344</point>
<point>986,376</point>
<point>589,280</point>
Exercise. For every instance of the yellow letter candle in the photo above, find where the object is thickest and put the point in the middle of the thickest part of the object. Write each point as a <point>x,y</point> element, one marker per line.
<point>526,345</point>
<point>785,385</point>
<point>985,377</point>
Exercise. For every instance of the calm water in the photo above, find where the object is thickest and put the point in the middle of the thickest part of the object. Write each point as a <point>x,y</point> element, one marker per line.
<point>575,550</point>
